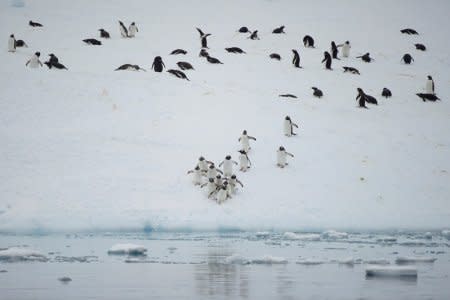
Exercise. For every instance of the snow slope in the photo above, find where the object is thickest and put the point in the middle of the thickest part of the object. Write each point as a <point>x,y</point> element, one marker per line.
<point>94,149</point>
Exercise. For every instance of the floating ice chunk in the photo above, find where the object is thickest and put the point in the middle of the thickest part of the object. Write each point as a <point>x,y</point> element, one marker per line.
<point>262,234</point>
<point>15,254</point>
<point>127,249</point>
<point>382,262</point>
<point>446,234</point>
<point>65,279</point>
<point>80,259</point>
<point>412,260</point>
<point>237,259</point>
<point>302,236</point>
<point>310,262</point>
<point>349,261</point>
<point>334,235</point>
<point>269,260</point>
<point>387,239</point>
<point>391,271</point>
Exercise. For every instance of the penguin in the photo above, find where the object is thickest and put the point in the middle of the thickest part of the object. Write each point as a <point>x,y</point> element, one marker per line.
<point>227,164</point>
<point>210,186</point>
<point>34,61</point>
<point>178,73</point>
<point>92,42</point>
<point>213,60</point>
<point>254,35</point>
<point>235,50</point>
<point>104,34</point>
<point>222,194</point>
<point>386,93</point>
<point>56,65</point>
<point>213,171</point>
<point>197,178</point>
<point>123,30</point>
<point>158,65</point>
<point>275,56</point>
<point>317,93</point>
<point>327,59</point>
<point>132,30</point>
<point>288,126</point>
<point>429,85</point>
<point>334,50</point>
<point>218,180</point>
<point>351,70</point>
<point>429,97</point>
<point>129,67</point>
<point>407,59</point>
<point>371,99</point>
<point>420,47</point>
<point>203,53</point>
<point>35,24</point>
<point>243,29</point>
<point>53,59</point>
<point>244,139</point>
<point>185,65</point>
<point>244,161</point>
<point>279,30</point>
<point>12,43</point>
<point>21,43</point>
<point>203,164</point>
<point>203,38</point>
<point>282,155</point>
<point>409,31</point>
<point>287,96</point>
<point>366,57</point>
<point>346,49</point>
<point>178,51</point>
<point>296,59</point>
<point>233,182</point>
<point>308,41</point>
<point>361,98</point>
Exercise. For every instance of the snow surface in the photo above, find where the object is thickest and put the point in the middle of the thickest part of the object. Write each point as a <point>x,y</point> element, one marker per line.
<point>94,149</point>
<point>127,249</point>
<point>16,254</point>
<point>391,271</point>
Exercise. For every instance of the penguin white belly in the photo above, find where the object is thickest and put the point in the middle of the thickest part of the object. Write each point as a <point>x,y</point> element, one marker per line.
<point>11,45</point>
<point>132,31</point>
<point>346,50</point>
<point>211,187</point>
<point>287,128</point>
<point>123,32</point>
<point>34,62</point>
<point>227,168</point>
<point>281,158</point>
<point>197,178</point>
<point>221,196</point>
<point>212,173</point>
<point>203,166</point>
<point>429,87</point>
<point>245,143</point>
<point>243,162</point>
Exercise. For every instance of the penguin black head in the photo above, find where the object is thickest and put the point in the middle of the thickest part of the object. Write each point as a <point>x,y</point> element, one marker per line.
<point>244,132</point>
<point>218,176</point>
<point>224,187</point>
<point>429,77</point>
<point>287,118</point>
<point>12,36</point>
<point>228,157</point>
<point>233,176</point>
<point>314,88</point>
<point>359,90</point>
<point>242,152</point>
<point>201,158</point>
<point>211,180</point>
<point>368,54</point>
<point>51,55</point>
<point>281,148</point>
<point>333,43</point>
<point>132,23</point>
<point>197,168</point>
<point>38,54</point>
<point>211,166</point>
<point>347,42</point>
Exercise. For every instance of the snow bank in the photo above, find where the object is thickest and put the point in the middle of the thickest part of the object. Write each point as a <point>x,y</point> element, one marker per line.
<point>391,271</point>
<point>301,236</point>
<point>412,260</point>
<point>16,254</point>
<point>334,235</point>
<point>127,249</point>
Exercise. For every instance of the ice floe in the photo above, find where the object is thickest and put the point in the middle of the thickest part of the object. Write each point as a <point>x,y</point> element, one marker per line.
<point>310,262</point>
<point>377,262</point>
<point>16,254</point>
<point>264,260</point>
<point>391,271</point>
<point>334,235</point>
<point>302,236</point>
<point>446,233</point>
<point>412,260</point>
<point>80,259</point>
<point>127,249</point>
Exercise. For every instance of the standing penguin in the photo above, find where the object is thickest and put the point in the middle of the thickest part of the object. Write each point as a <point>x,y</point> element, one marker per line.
<point>296,59</point>
<point>334,50</point>
<point>386,93</point>
<point>132,30</point>
<point>288,126</point>
<point>203,38</point>
<point>233,182</point>
<point>327,59</point>
<point>429,86</point>
<point>158,65</point>
<point>203,53</point>
<point>317,92</point>
<point>244,161</point>
<point>123,30</point>
<point>254,35</point>
<point>346,49</point>
<point>222,194</point>
<point>245,141</point>
<point>308,41</point>
<point>212,171</point>
<point>282,157</point>
<point>197,178</point>
<point>203,164</point>
<point>361,97</point>
<point>34,61</point>
<point>210,186</point>
<point>12,43</point>
<point>228,166</point>
<point>407,58</point>
<point>104,34</point>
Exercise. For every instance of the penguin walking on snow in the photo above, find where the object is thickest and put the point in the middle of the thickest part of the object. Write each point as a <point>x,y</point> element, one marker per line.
<point>12,43</point>
<point>282,155</point>
<point>254,35</point>
<point>34,61</point>
<point>197,177</point>
<point>345,49</point>
<point>203,38</point>
<point>361,98</point>
<point>227,164</point>
<point>233,182</point>
<point>244,161</point>
<point>407,58</point>
<point>245,141</point>
<point>296,59</point>
<point>308,41</point>
<point>212,171</point>
<point>210,186</point>
<point>203,164</point>
<point>334,50</point>
<point>327,60</point>
<point>132,30</point>
<point>158,65</point>
<point>386,93</point>
<point>123,30</point>
<point>429,86</point>
<point>288,126</point>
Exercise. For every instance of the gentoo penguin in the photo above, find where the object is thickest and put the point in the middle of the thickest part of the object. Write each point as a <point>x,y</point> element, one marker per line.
<point>429,97</point>
<point>227,164</point>
<point>296,59</point>
<point>218,180</point>
<point>129,67</point>
<point>92,42</point>
<point>334,50</point>
<point>222,193</point>
<point>104,34</point>
<point>409,31</point>
<point>386,93</point>
<point>371,99</point>
<point>282,157</point>
<point>178,51</point>
<point>288,96</point>
<point>244,139</point>
<point>351,70</point>
<point>203,53</point>
<point>203,38</point>
<point>132,30</point>
<point>275,56</point>
<point>235,50</point>
<point>279,30</point>
<point>178,73</point>
<point>317,93</point>
<point>203,164</point>
<point>254,35</point>
<point>212,171</point>
<point>210,186</point>
<point>56,65</point>
<point>213,60</point>
<point>233,182</point>
<point>361,98</point>
<point>288,126</point>
<point>185,65</point>
<point>243,29</point>
<point>123,30</point>
<point>308,41</point>
<point>34,24</point>
<point>420,47</point>
<point>244,161</point>
<point>346,49</point>
<point>34,61</point>
<point>158,64</point>
<point>21,43</point>
<point>12,43</point>
<point>407,58</point>
<point>197,178</point>
<point>327,59</point>
<point>366,57</point>
<point>429,86</point>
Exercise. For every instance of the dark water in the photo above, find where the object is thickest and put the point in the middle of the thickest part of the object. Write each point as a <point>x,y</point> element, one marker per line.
<point>223,266</point>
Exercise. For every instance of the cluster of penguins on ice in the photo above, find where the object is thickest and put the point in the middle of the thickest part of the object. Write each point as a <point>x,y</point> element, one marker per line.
<point>221,184</point>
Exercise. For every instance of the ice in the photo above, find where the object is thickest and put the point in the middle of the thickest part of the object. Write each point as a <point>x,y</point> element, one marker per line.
<point>334,235</point>
<point>264,260</point>
<point>15,254</point>
<point>412,260</point>
<point>302,236</point>
<point>127,249</point>
<point>237,259</point>
<point>262,234</point>
<point>310,262</point>
<point>3,271</point>
<point>65,279</point>
<point>80,259</point>
<point>446,233</point>
<point>349,261</point>
<point>391,271</point>
<point>377,262</point>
